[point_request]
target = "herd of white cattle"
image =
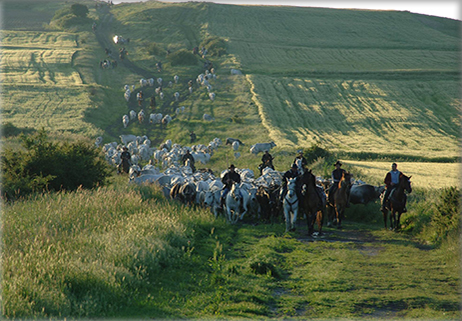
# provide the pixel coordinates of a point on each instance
(164, 168)
(203, 80)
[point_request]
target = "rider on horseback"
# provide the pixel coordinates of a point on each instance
(337, 174)
(391, 181)
(266, 161)
(125, 160)
(230, 177)
(189, 156)
(300, 156)
(291, 173)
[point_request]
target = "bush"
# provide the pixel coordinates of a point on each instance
(446, 221)
(215, 46)
(8, 130)
(154, 49)
(316, 151)
(79, 10)
(182, 57)
(51, 166)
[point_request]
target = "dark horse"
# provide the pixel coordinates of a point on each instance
(311, 203)
(339, 200)
(397, 202)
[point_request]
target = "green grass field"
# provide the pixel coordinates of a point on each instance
(357, 82)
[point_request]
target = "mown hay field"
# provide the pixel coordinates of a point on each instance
(380, 116)
(45, 82)
(424, 175)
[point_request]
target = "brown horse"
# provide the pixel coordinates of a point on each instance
(311, 203)
(397, 202)
(339, 200)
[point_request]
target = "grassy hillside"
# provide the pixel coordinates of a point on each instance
(356, 80)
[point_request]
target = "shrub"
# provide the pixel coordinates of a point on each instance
(445, 222)
(79, 10)
(53, 166)
(8, 130)
(182, 57)
(215, 46)
(154, 49)
(316, 151)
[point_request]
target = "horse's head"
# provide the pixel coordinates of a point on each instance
(235, 191)
(291, 187)
(345, 181)
(308, 178)
(405, 182)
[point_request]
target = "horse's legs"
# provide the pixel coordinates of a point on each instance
(294, 219)
(287, 217)
(319, 219)
(385, 214)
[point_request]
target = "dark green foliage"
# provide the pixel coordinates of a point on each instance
(79, 10)
(446, 220)
(69, 17)
(215, 46)
(51, 166)
(316, 151)
(8, 130)
(154, 49)
(182, 57)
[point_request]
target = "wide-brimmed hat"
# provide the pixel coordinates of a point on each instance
(338, 163)
(232, 166)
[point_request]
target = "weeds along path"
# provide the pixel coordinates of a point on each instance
(103, 35)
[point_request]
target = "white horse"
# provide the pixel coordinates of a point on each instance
(234, 202)
(290, 204)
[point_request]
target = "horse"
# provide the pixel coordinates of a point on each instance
(290, 204)
(234, 202)
(397, 202)
(311, 202)
(339, 200)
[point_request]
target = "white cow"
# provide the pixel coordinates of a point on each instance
(212, 96)
(207, 117)
(132, 114)
(212, 200)
(127, 95)
(176, 95)
(151, 82)
(201, 157)
(261, 147)
(125, 120)
(176, 78)
(143, 82)
(235, 145)
(125, 139)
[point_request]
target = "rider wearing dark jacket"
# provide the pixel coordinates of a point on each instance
(125, 158)
(337, 174)
(291, 173)
(189, 156)
(228, 179)
(300, 156)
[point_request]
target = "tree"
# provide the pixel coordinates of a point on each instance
(80, 10)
